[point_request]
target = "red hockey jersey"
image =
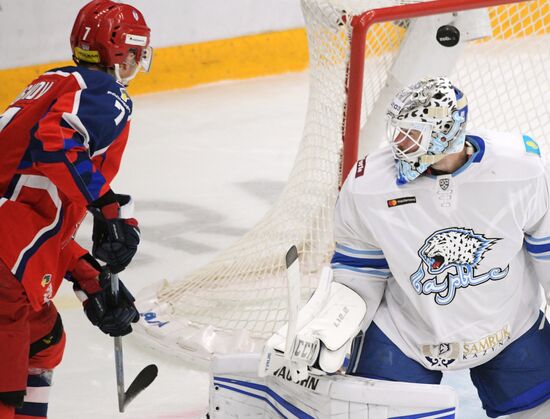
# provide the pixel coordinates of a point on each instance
(61, 142)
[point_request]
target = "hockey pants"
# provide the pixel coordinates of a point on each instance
(32, 344)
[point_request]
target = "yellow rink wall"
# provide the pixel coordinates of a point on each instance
(259, 55)
(194, 64)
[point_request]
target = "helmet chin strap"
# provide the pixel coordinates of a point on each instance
(125, 80)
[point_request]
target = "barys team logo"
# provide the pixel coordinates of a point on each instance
(449, 259)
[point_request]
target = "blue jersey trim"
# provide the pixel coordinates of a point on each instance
(537, 248)
(11, 187)
(359, 262)
(479, 146)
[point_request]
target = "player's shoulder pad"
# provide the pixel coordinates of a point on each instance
(374, 163)
(504, 151)
(372, 174)
(512, 144)
(104, 87)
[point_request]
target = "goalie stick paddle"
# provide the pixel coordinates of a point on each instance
(293, 280)
(298, 370)
(146, 376)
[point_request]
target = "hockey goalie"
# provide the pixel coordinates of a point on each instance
(441, 263)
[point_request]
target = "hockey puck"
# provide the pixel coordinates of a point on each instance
(448, 36)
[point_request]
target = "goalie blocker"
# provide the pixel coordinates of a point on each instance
(324, 331)
(237, 392)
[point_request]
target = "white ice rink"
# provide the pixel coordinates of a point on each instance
(203, 165)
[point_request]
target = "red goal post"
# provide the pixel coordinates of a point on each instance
(361, 24)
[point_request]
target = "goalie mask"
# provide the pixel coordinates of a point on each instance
(425, 122)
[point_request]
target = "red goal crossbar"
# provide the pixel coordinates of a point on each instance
(361, 24)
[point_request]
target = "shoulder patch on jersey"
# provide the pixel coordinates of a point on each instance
(124, 94)
(531, 146)
(360, 170)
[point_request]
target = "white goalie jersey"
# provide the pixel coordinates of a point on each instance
(455, 261)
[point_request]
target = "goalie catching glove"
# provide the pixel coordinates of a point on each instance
(326, 327)
(92, 285)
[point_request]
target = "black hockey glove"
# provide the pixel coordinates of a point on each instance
(113, 316)
(115, 238)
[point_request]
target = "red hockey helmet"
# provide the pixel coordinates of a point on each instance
(105, 32)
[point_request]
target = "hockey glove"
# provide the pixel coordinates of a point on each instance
(92, 284)
(325, 330)
(115, 235)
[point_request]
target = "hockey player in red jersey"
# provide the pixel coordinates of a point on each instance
(61, 144)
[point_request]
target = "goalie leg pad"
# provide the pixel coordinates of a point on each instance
(236, 394)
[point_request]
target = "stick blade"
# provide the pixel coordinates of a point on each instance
(146, 376)
(291, 256)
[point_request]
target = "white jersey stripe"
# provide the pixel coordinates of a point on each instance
(38, 182)
(57, 73)
(358, 252)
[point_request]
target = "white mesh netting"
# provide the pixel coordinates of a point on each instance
(239, 299)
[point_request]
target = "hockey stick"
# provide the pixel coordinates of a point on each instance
(286, 347)
(293, 283)
(142, 380)
(298, 370)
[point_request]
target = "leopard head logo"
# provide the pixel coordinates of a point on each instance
(454, 247)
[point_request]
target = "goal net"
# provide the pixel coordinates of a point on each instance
(360, 53)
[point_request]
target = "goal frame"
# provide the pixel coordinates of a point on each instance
(360, 26)
(237, 300)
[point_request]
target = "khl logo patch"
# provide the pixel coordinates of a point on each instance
(451, 256)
